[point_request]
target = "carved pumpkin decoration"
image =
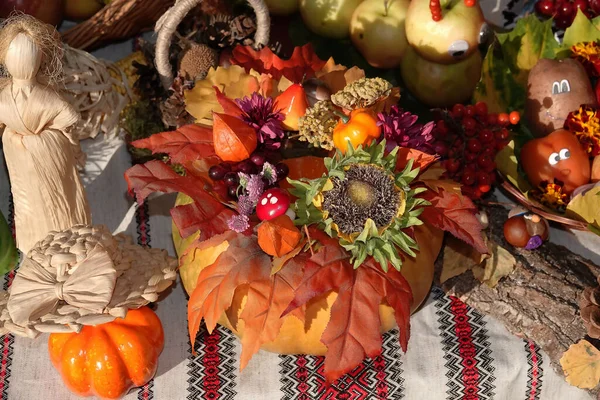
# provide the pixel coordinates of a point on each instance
(556, 156)
(293, 338)
(234, 140)
(554, 89)
(109, 359)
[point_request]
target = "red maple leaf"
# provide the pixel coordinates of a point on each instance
(206, 213)
(183, 145)
(303, 63)
(353, 329)
(243, 264)
(452, 212)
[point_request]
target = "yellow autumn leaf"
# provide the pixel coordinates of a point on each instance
(586, 207)
(337, 76)
(507, 165)
(459, 257)
(500, 263)
(581, 364)
(233, 81)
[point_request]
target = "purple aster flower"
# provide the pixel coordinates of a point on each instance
(269, 172)
(245, 205)
(239, 223)
(259, 112)
(255, 187)
(400, 128)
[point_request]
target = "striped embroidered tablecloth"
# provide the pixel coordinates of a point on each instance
(454, 352)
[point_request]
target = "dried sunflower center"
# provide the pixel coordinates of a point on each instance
(366, 192)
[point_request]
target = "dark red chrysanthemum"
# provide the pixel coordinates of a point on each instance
(259, 112)
(400, 128)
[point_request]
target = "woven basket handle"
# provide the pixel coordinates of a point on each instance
(167, 24)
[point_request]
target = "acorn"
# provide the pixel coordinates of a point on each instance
(316, 90)
(526, 230)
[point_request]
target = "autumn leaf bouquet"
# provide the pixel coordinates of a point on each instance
(310, 210)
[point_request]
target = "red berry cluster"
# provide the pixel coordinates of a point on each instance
(468, 139)
(564, 11)
(436, 8)
(225, 175)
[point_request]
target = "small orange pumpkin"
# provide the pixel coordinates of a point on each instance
(360, 129)
(109, 359)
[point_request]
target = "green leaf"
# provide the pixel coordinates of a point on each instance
(508, 166)
(9, 256)
(503, 84)
(531, 40)
(581, 30)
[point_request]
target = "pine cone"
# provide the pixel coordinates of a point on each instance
(590, 311)
(173, 109)
(196, 61)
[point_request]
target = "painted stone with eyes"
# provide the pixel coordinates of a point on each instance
(554, 89)
(556, 156)
(452, 39)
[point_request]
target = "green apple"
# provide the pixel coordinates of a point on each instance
(377, 30)
(440, 85)
(79, 10)
(282, 7)
(329, 18)
(455, 37)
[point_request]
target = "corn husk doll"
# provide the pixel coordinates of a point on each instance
(40, 151)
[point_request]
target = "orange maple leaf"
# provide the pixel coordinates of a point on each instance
(267, 299)
(302, 64)
(360, 292)
(243, 264)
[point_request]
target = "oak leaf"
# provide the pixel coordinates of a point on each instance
(454, 213)
(302, 64)
(278, 236)
(183, 145)
(360, 292)
(581, 364)
(206, 213)
(498, 264)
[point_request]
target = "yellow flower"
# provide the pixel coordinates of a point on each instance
(551, 195)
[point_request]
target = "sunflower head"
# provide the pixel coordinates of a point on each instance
(365, 203)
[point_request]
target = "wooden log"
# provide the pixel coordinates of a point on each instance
(539, 299)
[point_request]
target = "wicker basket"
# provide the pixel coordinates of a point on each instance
(119, 20)
(539, 209)
(167, 24)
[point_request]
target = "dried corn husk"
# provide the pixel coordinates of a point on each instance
(139, 273)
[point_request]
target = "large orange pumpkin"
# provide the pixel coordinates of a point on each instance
(293, 338)
(109, 359)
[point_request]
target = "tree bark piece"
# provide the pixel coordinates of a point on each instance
(539, 299)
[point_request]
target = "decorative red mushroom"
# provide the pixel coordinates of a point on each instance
(272, 203)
